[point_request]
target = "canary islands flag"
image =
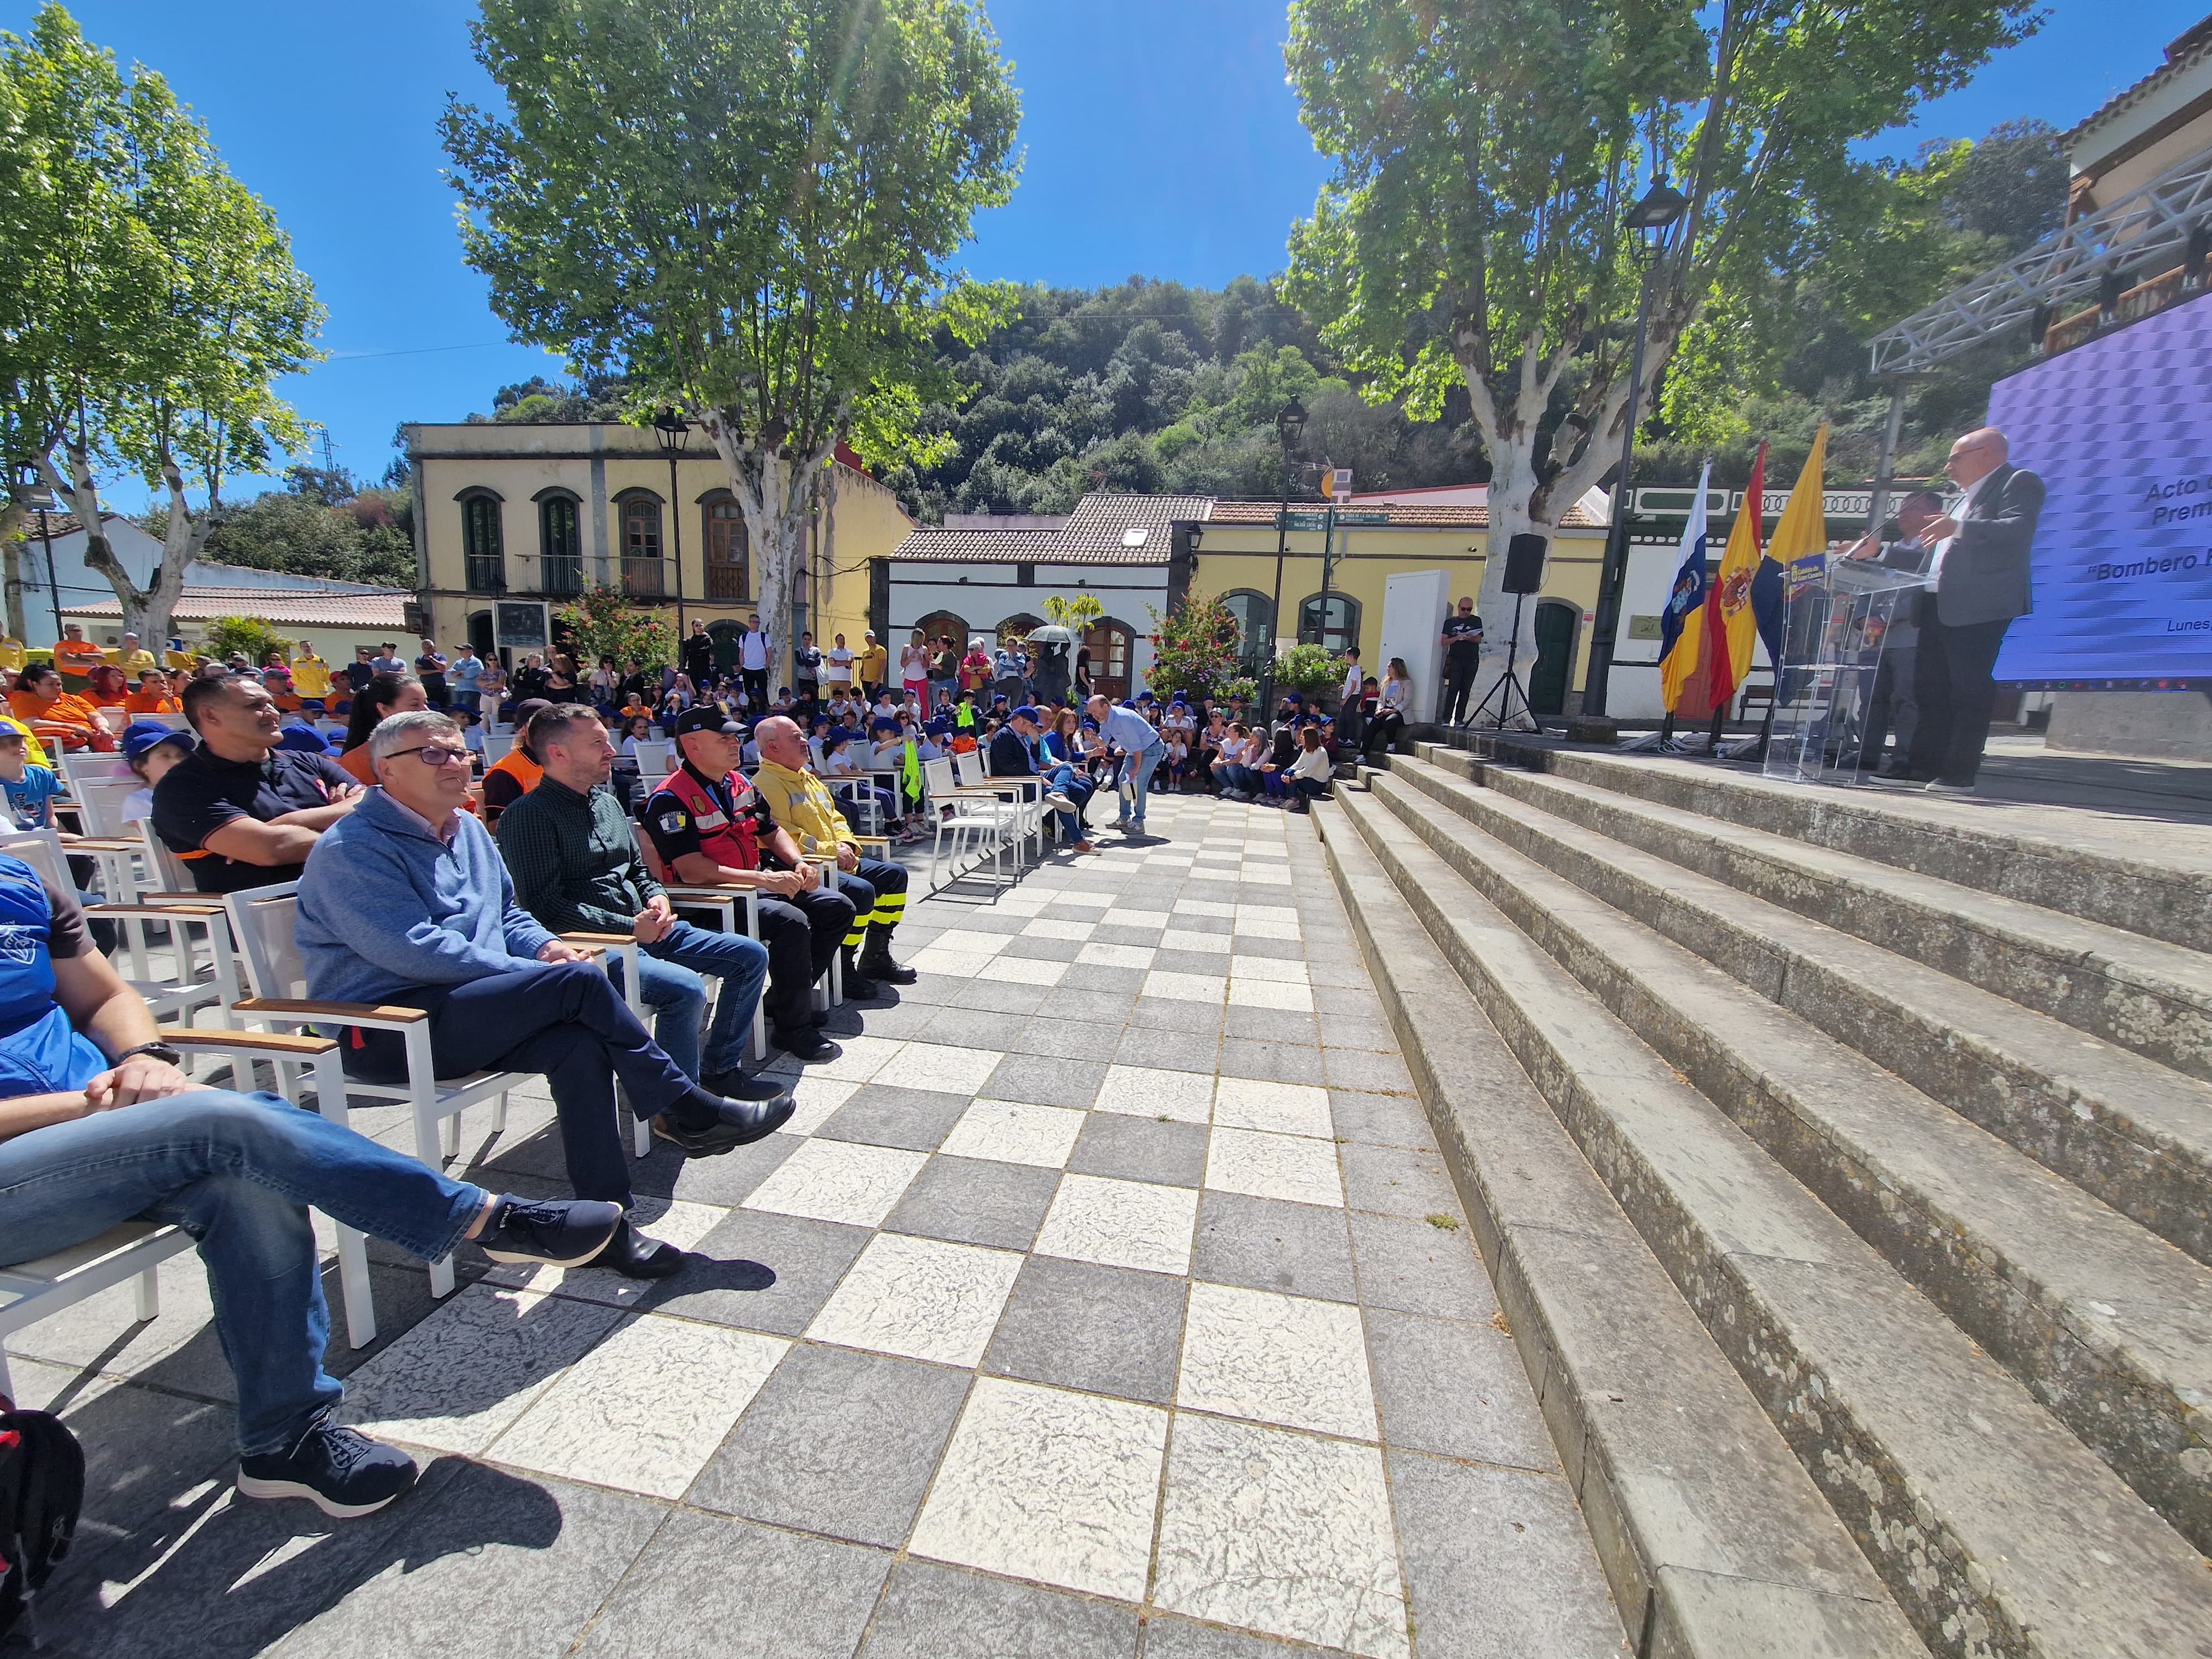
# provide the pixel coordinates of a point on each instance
(1682, 625)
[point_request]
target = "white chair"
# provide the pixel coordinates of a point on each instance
(87, 766)
(978, 822)
(656, 760)
(101, 802)
(1026, 791)
(498, 745)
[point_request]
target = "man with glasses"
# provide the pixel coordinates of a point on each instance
(409, 905)
(1978, 583)
(1462, 644)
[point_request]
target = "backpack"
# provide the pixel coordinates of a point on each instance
(41, 1491)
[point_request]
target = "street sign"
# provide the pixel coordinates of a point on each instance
(1320, 520)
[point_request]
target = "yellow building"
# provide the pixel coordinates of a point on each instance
(1237, 560)
(514, 520)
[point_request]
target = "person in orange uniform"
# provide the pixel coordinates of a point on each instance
(75, 657)
(54, 717)
(104, 687)
(153, 697)
(516, 773)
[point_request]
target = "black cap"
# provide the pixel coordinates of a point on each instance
(708, 718)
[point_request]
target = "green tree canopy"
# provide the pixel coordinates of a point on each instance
(747, 207)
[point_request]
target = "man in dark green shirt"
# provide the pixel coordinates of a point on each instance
(570, 848)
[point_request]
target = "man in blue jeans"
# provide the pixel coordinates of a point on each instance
(572, 853)
(412, 907)
(1137, 738)
(99, 1127)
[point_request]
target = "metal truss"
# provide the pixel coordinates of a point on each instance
(2149, 231)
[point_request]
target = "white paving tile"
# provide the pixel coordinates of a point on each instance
(863, 1058)
(950, 964)
(970, 942)
(1267, 928)
(937, 1066)
(1290, 1109)
(1124, 918)
(647, 1408)
(1058, 927)
(1269, 968)
(1190, 938)
(1146, 1091)
(1186, 987)
(838, 1181)
(818, 1098)
(1085, 901)
(678, 1222)
(1276, 1358)
(1115, 955)
(1270, 994)
(1043, 1484)
(1265, 913)
(1025, 970)
(1290, 1167)
(920, 1297)
(1276, 1531)
(1122, 1223)
(1009, 1132)
(1266, 875)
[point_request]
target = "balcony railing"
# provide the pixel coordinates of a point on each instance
(726, 583)
(643, 579)
(486, 572)
(560, 578)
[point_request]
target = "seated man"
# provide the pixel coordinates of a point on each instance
(1013, 754)
(707, 824)
(406, 903)
(152, 696)
(801, 804)
(240, 810)
(570, 850)
(98, 1126)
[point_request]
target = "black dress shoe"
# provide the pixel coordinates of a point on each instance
(634, 1255)
(883, 969)
(734, 1122)
(806, 1043)
(736, 1085)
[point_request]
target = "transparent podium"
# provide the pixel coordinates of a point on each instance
(1837, 623)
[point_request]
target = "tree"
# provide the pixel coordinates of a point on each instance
(249, 635)
(1473, 235)
(602, 621)
(154, 302)
(748, 208)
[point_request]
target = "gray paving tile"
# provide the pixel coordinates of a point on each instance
(1382, 1120)
(1140, 1149)
(939, 1613)
(1267, 1245)
(901, 1019)
(1358, 1001)
(994, 995)
(739, 1591)
(1106, 932)
(1073, 1038)
(1096, 1007)
(1046, 1080)
(836, 1441)
(1454, 1390)
(1168, 1051)
(1167, 1637)
(763, 1272)
(1090, 976)
(1359, 1068)
(1107, 1330)
(1395, 1181)
(1367, 1033)
(1170, 961)
(1499, 1564)
(1043, 950)
(1416, 1268)
(883, 1115)
(978, 1028)
(1270, 1062)
(975, 1202)
(1272, 1025)
(727, 1179)
(1199, 1020)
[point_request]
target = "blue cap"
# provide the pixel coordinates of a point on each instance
(884, 723)
(1027, 712)
(306, 739)
(140, 736)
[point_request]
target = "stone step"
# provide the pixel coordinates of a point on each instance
(2150, 878)
(1717, 1541)
(2136, 1135)
(2110, 1327)
(2140, 994)
(1997, 1531)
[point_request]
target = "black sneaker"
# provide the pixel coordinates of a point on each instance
(567, 1232)
(885, 971)
(341, 1471)
(808, 1044)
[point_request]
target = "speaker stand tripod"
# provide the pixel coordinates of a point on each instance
(1507, 688)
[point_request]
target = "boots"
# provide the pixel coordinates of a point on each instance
(876, 963)
(859, 987)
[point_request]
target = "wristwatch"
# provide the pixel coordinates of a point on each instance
(158, 1049)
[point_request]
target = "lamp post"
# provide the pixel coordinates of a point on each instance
(1653, 217)
(1290, 427)
(673, 431)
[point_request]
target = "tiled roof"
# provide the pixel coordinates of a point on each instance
(2184, 50)
(385, 608)
(1409, 514)
(1097, 533)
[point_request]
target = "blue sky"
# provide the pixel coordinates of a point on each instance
(1160, 138)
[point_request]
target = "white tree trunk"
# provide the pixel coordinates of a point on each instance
(14, 518)
(779, 496)
(146, 610)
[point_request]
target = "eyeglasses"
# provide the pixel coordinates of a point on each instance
(432, 755)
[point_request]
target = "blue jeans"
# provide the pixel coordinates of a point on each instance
(237, 1172)
(672, 971)
(1139, 773)
(1076, 788)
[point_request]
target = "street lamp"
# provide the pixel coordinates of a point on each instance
(1290, 428)
(1653, 218)
(32, 493)
(673, 431)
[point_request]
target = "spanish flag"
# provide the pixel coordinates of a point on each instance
(1682, 625)
(1729, 622)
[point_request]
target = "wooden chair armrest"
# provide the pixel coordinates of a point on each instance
(104, 844)
(379, 1015)
(266, 1042)
(702, 893)
(597, 941)
(178, 911)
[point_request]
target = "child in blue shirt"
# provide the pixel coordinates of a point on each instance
(30, 789)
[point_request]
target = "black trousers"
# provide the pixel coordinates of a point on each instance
(1383, 730)
(1893, 707)
(878, 890)
(564, 1018)
(802, 935)
(1952, 685)
(756, 685)
(1459, 684)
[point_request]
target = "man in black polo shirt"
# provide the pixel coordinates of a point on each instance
(240, 812)
(1462, 640)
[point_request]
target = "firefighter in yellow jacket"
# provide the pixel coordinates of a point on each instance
(801, 803)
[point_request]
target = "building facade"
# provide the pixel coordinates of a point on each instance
(513, 520)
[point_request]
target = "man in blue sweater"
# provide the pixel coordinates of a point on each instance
(412, 906)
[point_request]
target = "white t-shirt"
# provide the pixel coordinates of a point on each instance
(1397, 694)
(913, 665)
(753, 652)
(838, 664)
(1352, 679)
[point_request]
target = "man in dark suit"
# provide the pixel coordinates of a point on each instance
(1980, 583)
(1891, 707)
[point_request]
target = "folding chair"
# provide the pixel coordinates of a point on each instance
(656, 760)
(101, 802)
(963, 817)
(1025, 791)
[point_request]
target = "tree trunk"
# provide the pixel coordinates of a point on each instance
(14, 518)
(146, 612)
(777, 494)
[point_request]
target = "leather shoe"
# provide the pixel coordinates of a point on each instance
(808, 1044)
(634, 1255)
(885, 971)
(736, 1085)
(735, 1123)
